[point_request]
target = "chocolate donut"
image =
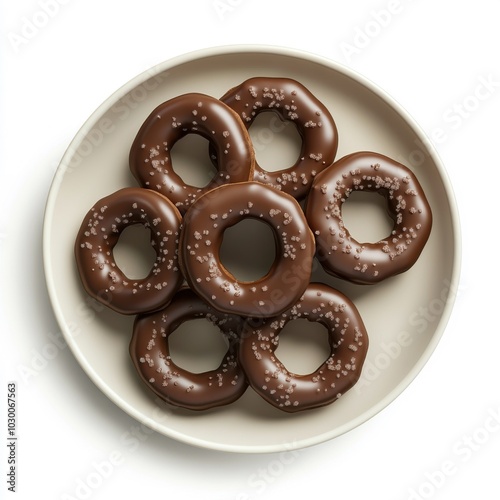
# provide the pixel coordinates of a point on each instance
(150, 158)
(150, 354)
(201, 238)
(288, 391)
(293, 103)
(366, 263)
(99, 233)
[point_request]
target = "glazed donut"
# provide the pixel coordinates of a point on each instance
(293, 103)
(99, 233)
(366, 263)
(150, 354)
(150, 158)
(202, 235)
(348, 342)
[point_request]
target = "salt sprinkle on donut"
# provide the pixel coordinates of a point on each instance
(366, 263)
(293, 103)
(100, 232)
(290, 392)
(150, 353)
(201, 238)
(150, 155)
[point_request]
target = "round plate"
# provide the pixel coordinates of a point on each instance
(405, 316)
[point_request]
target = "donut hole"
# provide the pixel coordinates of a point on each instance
(133, 253)
(197, 346)
(276, 142)
(191, 161)
(366, 217)
(303, 346)
(248, 249)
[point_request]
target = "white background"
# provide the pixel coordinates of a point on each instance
(441, 438)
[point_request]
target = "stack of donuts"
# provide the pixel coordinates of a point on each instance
(187, 225)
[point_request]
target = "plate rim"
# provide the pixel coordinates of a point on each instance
(276, 50)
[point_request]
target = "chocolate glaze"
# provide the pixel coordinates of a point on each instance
(288, 391)
(150, 354)
(98, 235)
(150, 159)
(292, 102)
(201, 238)
(366, 263)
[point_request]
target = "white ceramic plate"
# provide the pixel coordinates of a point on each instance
(405, 316)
